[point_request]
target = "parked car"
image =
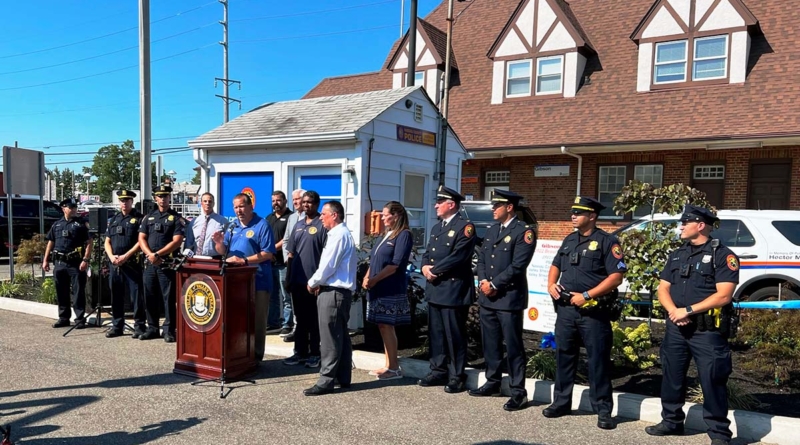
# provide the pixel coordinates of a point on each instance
(767, 243)
(26, 218)
(480, 214)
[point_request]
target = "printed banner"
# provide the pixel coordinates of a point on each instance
(540, 315)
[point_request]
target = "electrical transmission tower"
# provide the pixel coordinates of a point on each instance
(226, 82)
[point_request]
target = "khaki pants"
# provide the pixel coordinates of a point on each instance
(262, 311)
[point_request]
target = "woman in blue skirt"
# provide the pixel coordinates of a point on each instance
(386, 282)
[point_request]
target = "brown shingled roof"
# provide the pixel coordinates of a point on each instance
(609, 110)
(356, 83)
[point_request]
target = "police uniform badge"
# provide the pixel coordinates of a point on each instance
(732, 263)
(529, 236)
(171, 218)
(451, 233)
(133, 221)
(312, 230)
(249, 234)
(577, 200)
(507, 238)
(593, 245)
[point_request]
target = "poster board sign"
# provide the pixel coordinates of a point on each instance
(540, 315)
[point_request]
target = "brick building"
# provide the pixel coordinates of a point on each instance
(556, 97)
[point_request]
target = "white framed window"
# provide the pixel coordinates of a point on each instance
(414, 202)
(710, 58)
(498, 177)
(670, 62)
(709, 172)
(611, 181)
(419, 78)
(548, 74)
(651, 174)
(518, 78)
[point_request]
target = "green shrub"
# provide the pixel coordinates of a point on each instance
(775, 363)
(542, 365)
(630, 345)
(48, 292)
(738, 397)
(24, 278)
(759, 327)
(9, 289)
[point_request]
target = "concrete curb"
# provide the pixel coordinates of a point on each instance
(744, 424)
(29, 307)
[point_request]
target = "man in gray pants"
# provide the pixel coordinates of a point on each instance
(334, 283)
(288, 311)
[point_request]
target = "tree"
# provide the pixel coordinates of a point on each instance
(114, 163)
(646, 251)
(68, 178)
(196, 179)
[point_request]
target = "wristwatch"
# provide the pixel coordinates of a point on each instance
(246, 263)
(84, 260)
(689, 309)
(586, 295)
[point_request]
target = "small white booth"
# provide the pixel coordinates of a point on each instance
(361, 149)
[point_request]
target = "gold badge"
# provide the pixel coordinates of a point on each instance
(312, 230)
(507, 239)
(577, 200)
(451, 233)
(133, 220)
(171, 218)
(250, 234)
(593, 245)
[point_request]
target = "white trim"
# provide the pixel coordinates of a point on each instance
(561, 75)
(685, 61)
(724, 57)
(286, 139)
(288, 172)
(508, 77)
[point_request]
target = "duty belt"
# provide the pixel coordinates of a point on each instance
(66, 257)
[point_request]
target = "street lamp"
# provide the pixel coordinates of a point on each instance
(87, 175)
(61, 184)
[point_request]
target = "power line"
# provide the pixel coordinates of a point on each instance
(321, 11)
(104, 72)
(108, 53)
(313, 35)
(66, 45)
(113, 142)
(72, 25)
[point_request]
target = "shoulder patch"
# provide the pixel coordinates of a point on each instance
(732, 262)
(469, 230)
(529, 236)
(616, 250)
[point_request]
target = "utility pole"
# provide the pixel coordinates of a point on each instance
(412, 45)
(226, 83)
(402, 16)
(144, 99)
(447, 60)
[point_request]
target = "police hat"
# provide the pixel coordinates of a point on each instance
(125, 194)
(505, 197)
(448, 193)
(162, 190)
(693, 213)
(69, 202)
(586, 204)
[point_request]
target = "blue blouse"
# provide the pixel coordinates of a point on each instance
(392, 252)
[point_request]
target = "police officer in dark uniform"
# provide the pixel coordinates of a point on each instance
(160, 234)
(70, 244)
(125, 278)
(450, 290)
(696, 290)
(503, 297)
(590, 267)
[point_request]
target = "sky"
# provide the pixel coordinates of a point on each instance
(69, 76)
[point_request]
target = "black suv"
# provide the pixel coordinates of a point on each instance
(480, 214)
(26, 219)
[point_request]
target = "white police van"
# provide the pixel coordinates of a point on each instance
(767, 243)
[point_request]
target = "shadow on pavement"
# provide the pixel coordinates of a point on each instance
(148, 433)
(53, 407)
(148, 380)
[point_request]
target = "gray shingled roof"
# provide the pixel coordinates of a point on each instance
(330, 114)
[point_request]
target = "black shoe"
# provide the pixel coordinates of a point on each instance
(149, 335)
(486, 390)
(61, 324)
(169, 338)
(662, 429)
(516, 403)
(455, 386)
(317, 391)
(605, 422)
(289, 338)
(284, 332)
(113, 333)
(720, 442)
(552, 412)
(342, 385)
(431, 380)
(80, 324)
(137, 333)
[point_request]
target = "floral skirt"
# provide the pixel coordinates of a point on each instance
(390, 309)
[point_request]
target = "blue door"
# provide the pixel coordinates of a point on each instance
(258, 185)
(329, 187)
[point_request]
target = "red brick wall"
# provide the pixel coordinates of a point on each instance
(551, 198)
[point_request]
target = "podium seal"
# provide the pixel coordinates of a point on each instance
(201, 302)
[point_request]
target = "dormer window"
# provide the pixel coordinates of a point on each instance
(690, 42)
(518, 78)
(548, 75)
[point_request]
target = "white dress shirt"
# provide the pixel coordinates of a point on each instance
(338, 262)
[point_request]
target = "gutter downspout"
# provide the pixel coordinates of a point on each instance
(200, 158)
(565, 151)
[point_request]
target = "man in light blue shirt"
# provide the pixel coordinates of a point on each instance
(333, 283)
(199, 235)
(251, 243)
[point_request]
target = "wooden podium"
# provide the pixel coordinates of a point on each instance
(216, 320)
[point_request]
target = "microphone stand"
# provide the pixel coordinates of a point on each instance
(224, 264)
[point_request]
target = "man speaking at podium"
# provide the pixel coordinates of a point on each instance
(251, 243)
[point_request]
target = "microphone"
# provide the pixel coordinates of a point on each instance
(187, 253)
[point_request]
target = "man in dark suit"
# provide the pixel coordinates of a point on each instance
(502, 268)
(450, 291)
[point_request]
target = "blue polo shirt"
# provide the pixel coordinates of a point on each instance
(249, 240)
